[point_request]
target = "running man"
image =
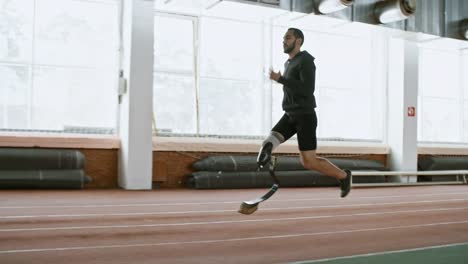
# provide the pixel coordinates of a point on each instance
(299, 105)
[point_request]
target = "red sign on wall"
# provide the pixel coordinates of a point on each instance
(411, 111)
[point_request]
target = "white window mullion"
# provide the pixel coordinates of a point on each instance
(196, 50)
(461, 97)
(31, 70)
(270, 83)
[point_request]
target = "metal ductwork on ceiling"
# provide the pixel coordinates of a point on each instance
(331, 6)
(394, 10)
(444, 18)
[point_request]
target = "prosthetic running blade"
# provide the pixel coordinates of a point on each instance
(249, 207)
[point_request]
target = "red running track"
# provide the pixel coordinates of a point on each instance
(193, 226)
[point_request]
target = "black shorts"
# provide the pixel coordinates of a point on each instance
(305, 125)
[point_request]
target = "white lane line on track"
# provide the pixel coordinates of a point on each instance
(226, 211)
(226, 202)
(229, 239)
(228, 221)
(379, 253)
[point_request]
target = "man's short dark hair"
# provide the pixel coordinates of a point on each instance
(297, 33)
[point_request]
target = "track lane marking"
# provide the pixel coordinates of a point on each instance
(225, 211)
(13, 251)
(226, 221)
(225, 202)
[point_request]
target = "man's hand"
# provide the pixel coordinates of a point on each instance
(275, 75)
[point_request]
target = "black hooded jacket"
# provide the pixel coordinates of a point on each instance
(299, 84)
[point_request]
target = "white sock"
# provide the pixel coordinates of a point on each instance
(275, 141)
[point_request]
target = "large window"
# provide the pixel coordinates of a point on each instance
(231, 98)
(443, 96)
(210, 72)
(211, 88)
(58, 65)
(174, 80)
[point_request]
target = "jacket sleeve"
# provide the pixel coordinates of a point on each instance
(306, 83)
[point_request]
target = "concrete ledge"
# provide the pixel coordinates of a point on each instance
(442, 149)
(193, 144)
(252, 146)
(41, 140)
